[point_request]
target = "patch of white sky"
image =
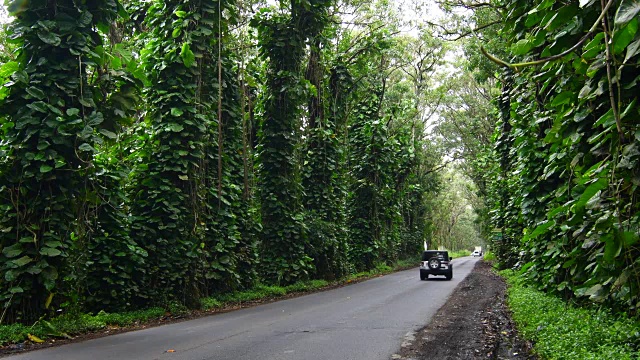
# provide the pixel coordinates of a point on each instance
(4, 15)
(415, 15)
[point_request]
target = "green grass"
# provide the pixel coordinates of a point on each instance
(461, 253)
(260, 292)
(73, 324)
(490, 257)
(408, 263)
(562, 331)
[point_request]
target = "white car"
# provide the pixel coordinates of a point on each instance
(476, 253)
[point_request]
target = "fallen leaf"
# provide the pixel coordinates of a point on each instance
(35, 339)
(171, 351)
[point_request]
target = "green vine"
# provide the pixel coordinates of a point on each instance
(50, 122)
(570, 134)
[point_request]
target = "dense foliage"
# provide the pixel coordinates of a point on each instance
(580, 117)
(52, 121)
(562, 180)
(157, 153)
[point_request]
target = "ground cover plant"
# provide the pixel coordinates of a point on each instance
(561, 330)
(69, 325)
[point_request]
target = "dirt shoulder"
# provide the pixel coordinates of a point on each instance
(475, 323)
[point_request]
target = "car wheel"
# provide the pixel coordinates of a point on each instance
(434, 263)
(450, 274)
(424, 277)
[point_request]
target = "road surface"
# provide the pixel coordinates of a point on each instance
(363, 321)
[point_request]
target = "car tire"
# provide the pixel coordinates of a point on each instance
(434, 263)
(424, 277)
(450, 274)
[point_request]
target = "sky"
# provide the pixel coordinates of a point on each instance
(4, 18)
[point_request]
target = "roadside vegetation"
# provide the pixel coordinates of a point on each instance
(489, 256)
(69, 325)
(461, 253)
(562, 330)
(558, 177)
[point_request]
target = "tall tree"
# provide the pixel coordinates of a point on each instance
(177, 211)
(50, 119)
(283, 42)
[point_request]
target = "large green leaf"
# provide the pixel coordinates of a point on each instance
(612, 247)
(109, 134)
(38, 106)
(591, 191)
(12, 251)
(73, 111)
(48, 251)
(49, 37)
(632, 50)
(16, 290)
(35, 92)
(539, 230)
(8, 68)
(521, 47)
(594, 47)
(175, 127)
(594, 292)
(564, 97)
(627, 11)
(12, 274)
(86, 147)
(188, 58)
(22, 261)
(629, 238)
(622, 37)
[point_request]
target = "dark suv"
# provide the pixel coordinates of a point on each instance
(436, 262)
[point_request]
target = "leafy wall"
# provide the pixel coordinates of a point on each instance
(157, 153)
(569, 144)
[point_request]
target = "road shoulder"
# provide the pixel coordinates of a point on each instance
(475, 323)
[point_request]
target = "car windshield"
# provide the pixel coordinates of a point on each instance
(429, 254)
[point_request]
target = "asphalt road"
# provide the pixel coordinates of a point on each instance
(363, 321)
